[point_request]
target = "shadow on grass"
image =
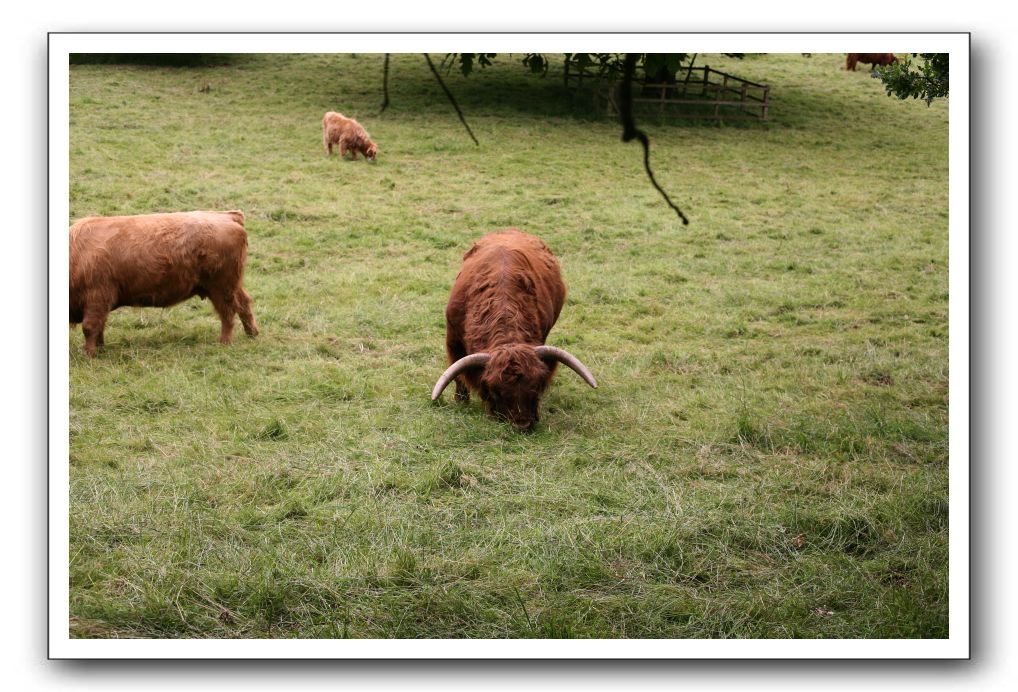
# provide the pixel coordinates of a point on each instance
(153, 59)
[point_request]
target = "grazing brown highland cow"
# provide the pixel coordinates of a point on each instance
(871, 59)
(348, 134)
(504, 302)
(158, 260)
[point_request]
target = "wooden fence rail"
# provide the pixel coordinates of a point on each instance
(697, 92)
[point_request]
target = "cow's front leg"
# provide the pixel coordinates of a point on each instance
(92, 326)
(462, 391)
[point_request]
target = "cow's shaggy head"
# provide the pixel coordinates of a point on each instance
(510, 379)
(512, 383)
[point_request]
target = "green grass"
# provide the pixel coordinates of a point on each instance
(766, 455)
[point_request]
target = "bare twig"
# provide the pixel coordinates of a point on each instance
(631, 132)
(451, 99)
(385, 85)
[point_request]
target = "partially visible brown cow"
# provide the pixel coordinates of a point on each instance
(504, 302)
(871, 59)
(158, 260)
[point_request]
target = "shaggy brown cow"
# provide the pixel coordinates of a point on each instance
(158, 260)
(871, 59)
(348, 134)
(504, 302)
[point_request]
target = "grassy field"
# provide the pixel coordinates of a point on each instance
(766, 455)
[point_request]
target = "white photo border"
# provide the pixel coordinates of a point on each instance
(956, 646)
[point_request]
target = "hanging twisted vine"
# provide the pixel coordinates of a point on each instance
(629, 129)
(631, 132)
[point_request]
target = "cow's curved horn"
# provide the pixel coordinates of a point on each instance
(569, 359)
(473, 360)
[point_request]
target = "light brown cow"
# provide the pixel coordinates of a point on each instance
(349, 134)
(158, 260)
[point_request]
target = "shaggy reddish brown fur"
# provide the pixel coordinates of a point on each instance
(505, 300)
(158, 260)
(871, 59)
(348, 134)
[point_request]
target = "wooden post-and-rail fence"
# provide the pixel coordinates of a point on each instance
(702, 93)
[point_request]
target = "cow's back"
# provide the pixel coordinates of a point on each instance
(156, 259)
(334, 122)
(509, 289)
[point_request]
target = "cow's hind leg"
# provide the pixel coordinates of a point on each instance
(224, 305)
(243, 307)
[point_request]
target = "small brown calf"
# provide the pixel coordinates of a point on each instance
(348, 134)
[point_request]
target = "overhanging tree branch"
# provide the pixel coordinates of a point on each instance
(451, 99)
(928, 79)
(608, 62)
(631, 132)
